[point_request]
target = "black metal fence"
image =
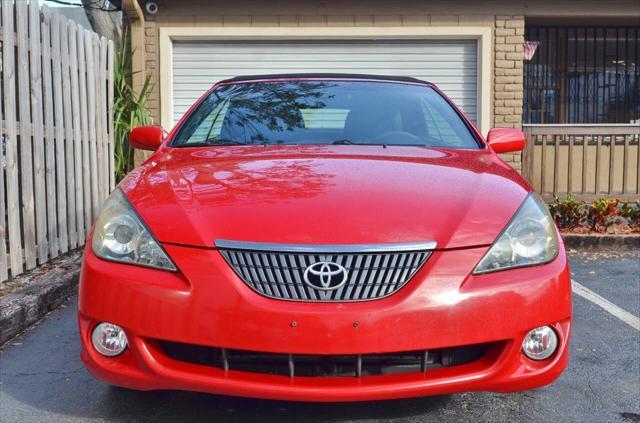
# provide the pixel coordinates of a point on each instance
(582, 74)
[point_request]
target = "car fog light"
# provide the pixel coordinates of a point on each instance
(109, 339)
(540, 343)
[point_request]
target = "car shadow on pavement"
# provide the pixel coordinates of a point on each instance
(123, 404)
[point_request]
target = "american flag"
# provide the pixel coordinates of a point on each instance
(530, 49)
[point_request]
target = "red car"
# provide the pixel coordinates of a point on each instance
(325, 237)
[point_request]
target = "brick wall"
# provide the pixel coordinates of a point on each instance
(152, 66)
(152, 69)
(508, 78)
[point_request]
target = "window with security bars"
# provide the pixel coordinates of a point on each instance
(582, 74)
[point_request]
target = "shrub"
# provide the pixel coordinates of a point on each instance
(631, 212)
(603, 215)
(129, 108)
(601, 211)
(568, 213)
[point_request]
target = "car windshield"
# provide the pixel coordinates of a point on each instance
(325, 112)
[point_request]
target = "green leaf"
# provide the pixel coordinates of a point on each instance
(129, 108)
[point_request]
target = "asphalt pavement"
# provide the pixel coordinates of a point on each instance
(43, 380)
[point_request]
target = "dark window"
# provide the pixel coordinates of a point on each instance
(583, 74)
(325, 112)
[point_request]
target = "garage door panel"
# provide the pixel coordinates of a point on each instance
(302, 56)
(339, 58)
(195, 74)
(328, 47)
(452, 65)
(353, 64)
(337, 47)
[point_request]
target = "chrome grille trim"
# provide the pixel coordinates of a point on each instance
(373, 272)
(325, 248)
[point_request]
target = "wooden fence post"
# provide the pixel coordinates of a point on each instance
(527, 155)
(56, 23)
(77, 136)
(4, 268)
(49, 132)
(38, 135)
(26, 161)
(10, 138)
(68, 134)
(91, 114)
(110, 82)
(103, 120)
(86, 177)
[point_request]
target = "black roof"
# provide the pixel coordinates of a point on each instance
(325, 76)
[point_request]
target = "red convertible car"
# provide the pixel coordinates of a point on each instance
(325, 237)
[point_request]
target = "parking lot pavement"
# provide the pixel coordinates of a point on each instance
(43, 380)
(613, 275)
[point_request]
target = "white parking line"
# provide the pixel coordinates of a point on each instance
(630, 319)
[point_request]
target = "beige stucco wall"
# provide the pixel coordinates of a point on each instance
(504, 18)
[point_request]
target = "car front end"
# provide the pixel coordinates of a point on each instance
(324, 272)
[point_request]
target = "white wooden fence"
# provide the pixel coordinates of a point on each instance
(56, 163)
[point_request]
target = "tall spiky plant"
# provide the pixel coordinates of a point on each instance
(129, 107)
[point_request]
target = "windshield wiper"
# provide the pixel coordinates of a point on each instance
(343, 142)
(222, 141)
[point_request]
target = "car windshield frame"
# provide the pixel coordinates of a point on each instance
(179, 130)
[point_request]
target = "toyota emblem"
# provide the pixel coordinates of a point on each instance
(325, 276)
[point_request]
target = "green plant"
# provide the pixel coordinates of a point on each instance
(129, 108)
(568, 213)
(631, 211)
(600, 212)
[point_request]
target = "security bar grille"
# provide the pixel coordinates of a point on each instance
(582, 74)
(289, 275)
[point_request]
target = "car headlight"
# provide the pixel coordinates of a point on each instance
(120, 235)
(530, 238)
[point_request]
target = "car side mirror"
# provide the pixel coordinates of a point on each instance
(506, 140)
(146, 137)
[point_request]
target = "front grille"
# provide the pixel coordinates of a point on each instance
(294, 365)
(283, 272)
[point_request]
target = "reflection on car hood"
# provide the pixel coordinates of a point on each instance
(325, 195)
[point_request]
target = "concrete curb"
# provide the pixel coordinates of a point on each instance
(41, 294)
(591, 241)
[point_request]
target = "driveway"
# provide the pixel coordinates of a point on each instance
(43, 380)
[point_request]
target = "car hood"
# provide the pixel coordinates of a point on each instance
(325, 195)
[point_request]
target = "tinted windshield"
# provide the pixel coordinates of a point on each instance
(325, 112)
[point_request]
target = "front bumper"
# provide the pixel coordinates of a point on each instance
(206, 304)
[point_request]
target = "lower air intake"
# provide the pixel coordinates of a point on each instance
(294, 365)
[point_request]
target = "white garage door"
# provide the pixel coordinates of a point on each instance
(452, 65)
